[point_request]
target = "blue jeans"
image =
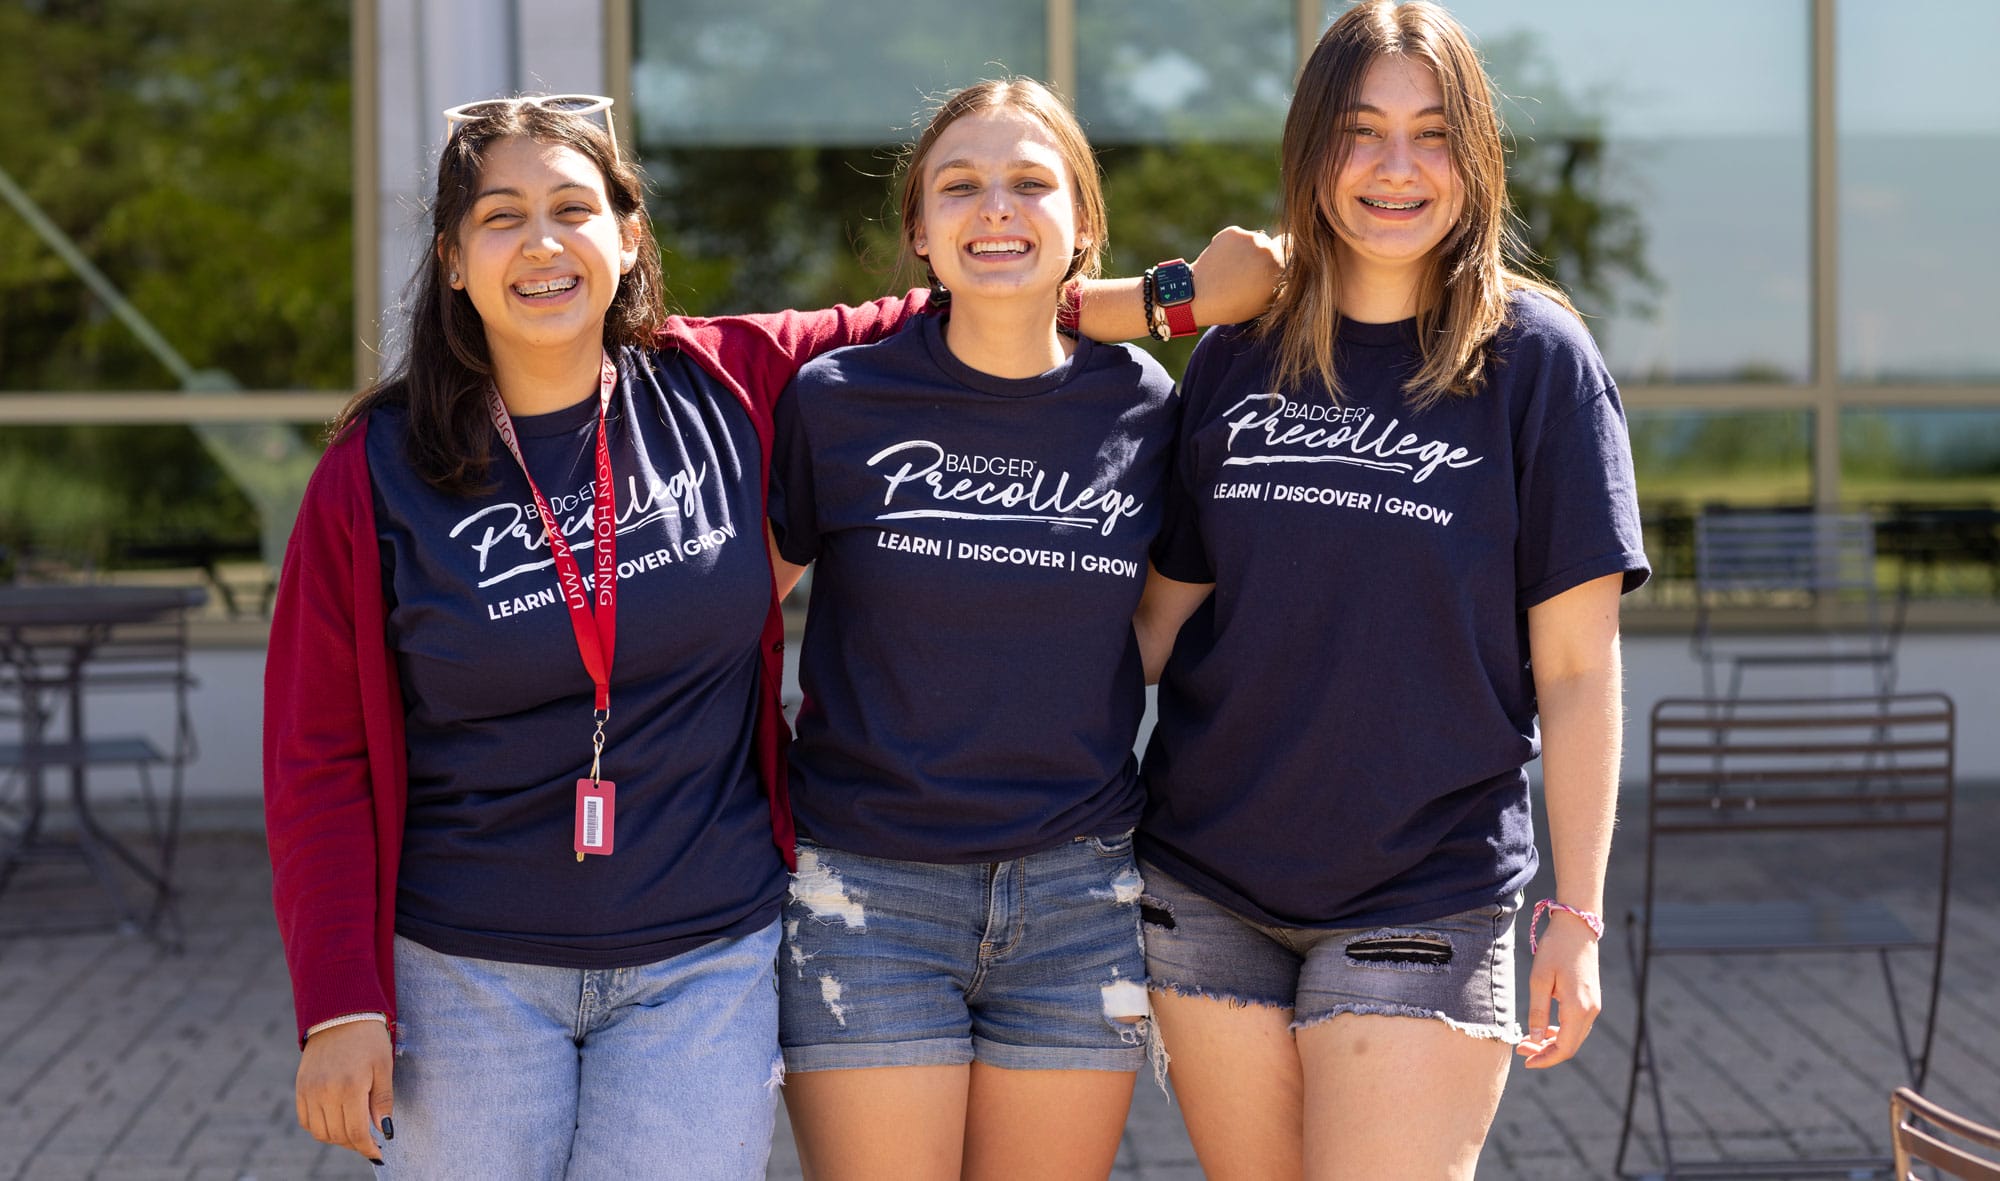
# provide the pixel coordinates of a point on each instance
(1029, 964)
(524, 1071)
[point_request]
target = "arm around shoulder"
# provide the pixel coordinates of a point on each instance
(762, 353)
(1235, 277)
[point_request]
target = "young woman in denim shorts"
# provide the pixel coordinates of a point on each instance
(962, 986)
(542, 856)
(1403, 518)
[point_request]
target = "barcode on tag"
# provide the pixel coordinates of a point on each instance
(593, 821)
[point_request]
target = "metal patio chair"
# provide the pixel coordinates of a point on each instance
(1806, 579)
(1947, 1142)
(1825, 769)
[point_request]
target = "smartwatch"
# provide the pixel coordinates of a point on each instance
(1173, 296)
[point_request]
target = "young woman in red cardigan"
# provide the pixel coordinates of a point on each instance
(540, 854)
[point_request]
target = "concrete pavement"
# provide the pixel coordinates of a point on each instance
(118, 1061)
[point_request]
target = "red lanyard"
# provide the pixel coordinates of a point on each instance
(596, 637)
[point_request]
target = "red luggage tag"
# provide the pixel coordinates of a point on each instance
(596, 813)
(596, 802)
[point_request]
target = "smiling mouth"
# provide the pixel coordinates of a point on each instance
(1394, 206)
(998, 248)
(545, 288)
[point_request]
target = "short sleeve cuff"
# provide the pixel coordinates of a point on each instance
(1631, 563)
(1181, 559)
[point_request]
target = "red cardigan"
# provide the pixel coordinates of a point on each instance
(335, 774)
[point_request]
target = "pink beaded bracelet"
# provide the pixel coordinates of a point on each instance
(1594, 922)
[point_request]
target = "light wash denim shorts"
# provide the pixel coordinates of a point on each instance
(1026, 964)
(1458, 969)
(668, 1069)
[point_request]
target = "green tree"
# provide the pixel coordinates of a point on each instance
(198, 152)
(1574, 228)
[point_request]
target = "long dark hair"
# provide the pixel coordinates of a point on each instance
(1462, 301)
(444, 369)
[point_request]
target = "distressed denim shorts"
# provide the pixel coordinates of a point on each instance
(1458, 969)
(1026, 964)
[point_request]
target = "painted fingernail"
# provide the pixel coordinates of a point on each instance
(388, 1128)
(376, 1161)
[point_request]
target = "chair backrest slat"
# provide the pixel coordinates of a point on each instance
(1764, 764)
(1840, 744)
(1764, 552)
(1778, 775)
(1911, 1118)
(1781, 721)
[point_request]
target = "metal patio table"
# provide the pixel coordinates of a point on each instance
(57, 644)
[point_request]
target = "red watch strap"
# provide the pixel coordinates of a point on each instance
(1179, 316)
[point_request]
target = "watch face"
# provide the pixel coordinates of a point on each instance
(1173, 285)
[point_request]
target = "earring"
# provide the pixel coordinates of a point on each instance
(454, 278)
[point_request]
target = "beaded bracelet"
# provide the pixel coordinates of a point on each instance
(1146, 300)
(1593, 921)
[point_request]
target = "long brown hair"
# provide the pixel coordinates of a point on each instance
(1462, 297)
(1046, 107)
(445, 367)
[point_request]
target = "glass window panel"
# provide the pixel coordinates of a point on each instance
(1742, 458)
(849, 72)
(199, 156)
(1919, 160)
(1933, 479)
(1929, 456)
(1176, 70)
(1185, 102)
(86, 500)
(760, 228)
(1688, 460)
(1662, 162)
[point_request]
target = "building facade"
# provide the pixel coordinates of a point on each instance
(1777, 216)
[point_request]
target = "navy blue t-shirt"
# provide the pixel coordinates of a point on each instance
(1343, 725)
(499, 705)
(972, 682)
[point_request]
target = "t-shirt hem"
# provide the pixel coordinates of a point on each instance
(1632, 563)
(450, 941)
(1232, 900)
(1116, 824)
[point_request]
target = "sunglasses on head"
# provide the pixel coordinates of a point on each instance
(567, 104)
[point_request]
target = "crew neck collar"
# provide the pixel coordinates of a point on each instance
(987, 383)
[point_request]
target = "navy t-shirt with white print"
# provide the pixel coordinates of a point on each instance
(499, 718)
(972, 682)
(1343, 725)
